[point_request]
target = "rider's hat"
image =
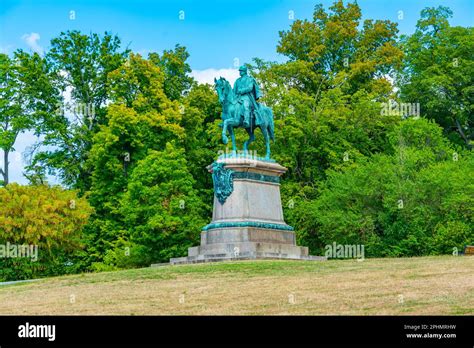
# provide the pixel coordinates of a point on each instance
(243, 68)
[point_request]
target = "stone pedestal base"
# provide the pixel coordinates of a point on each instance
(247, 220)
(245, 251)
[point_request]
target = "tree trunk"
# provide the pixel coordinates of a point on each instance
(5, 167)
(460, 131)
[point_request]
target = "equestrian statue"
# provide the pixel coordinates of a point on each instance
(241, 109)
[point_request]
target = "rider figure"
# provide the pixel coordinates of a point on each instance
(247, 91)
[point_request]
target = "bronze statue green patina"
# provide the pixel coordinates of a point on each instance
(223, 181)
(241, 109)
(247, 216)
(247, 91)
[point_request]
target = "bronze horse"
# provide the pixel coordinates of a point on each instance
(232, 117)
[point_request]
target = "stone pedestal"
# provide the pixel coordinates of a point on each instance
(247, 221)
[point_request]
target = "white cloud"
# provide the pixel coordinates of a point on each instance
(32, 42)
(208, 75)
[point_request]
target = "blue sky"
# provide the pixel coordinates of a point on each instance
(217, 34)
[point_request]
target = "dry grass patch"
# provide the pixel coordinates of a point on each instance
(424, 285)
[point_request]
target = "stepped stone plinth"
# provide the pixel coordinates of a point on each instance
(247, 221)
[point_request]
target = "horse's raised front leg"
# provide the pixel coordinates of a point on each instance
(225, 140)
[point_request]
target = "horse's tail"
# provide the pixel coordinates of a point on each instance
(271, 125)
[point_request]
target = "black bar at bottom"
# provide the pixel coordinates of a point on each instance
(223, 331)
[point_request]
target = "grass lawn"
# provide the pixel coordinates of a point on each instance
(404, 286)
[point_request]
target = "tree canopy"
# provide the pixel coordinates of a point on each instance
(129, 137)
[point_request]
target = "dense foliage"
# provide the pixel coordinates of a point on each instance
(130, 137)
(415, 200)
(49, 218)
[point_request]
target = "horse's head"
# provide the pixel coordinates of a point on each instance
(223, 89)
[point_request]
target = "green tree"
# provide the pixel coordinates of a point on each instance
(12, 119)
(176, 69)
(140, 118)
(26, 93)
(200, 118)
(162, 207)
(336, 49)
(327, 98)
(50, 218)
(404, 203)
(439, 73)
(82, 64)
